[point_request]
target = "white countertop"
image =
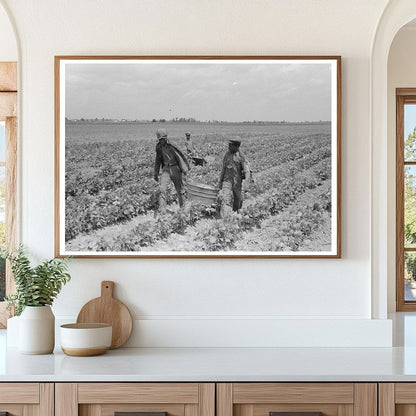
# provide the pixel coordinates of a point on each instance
(221, 364)
(215, 364)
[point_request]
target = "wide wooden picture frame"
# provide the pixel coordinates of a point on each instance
(198, 156)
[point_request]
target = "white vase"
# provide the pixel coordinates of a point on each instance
(37, 330)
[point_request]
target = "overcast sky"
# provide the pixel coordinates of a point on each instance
(228, 92)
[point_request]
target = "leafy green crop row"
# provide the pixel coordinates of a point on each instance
(111, 183)
(219, 234)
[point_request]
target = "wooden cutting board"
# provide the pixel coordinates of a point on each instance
(108, 310)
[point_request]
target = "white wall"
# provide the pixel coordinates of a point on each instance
(401, 74)
(8, 47)
(246, 302)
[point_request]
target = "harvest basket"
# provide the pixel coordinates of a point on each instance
(202, 193)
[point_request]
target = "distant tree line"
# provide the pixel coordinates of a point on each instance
(182, 120)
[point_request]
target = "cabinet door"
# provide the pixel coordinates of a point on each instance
(397, 399)
(142, 399)
(297, 399)
(26, 399)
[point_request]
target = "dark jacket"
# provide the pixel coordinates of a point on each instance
(174, 156)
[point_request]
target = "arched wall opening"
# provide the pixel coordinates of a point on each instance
(401, 74)
(396, 15)
(8, 149)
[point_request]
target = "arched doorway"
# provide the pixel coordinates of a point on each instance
(8, 150)
(395, 16)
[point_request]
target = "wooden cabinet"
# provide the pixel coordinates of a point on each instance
(264, 399)
(27, 399)
(208, 399)
(107, 399)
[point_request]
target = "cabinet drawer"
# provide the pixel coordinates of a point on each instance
(19, 393)
(296, 399)
(148, 399)
(138, 393)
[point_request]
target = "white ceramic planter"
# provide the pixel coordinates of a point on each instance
(37, 330)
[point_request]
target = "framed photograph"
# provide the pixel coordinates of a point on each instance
(198, 156)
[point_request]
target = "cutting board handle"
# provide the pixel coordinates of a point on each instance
(107, 289)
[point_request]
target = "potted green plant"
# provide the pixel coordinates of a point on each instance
(36, 289)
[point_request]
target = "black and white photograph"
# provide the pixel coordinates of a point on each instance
(198, 156)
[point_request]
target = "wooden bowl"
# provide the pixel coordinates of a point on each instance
(84, 340)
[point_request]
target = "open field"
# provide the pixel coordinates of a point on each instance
(111, 197)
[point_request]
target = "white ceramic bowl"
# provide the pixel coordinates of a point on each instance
(83, 340)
